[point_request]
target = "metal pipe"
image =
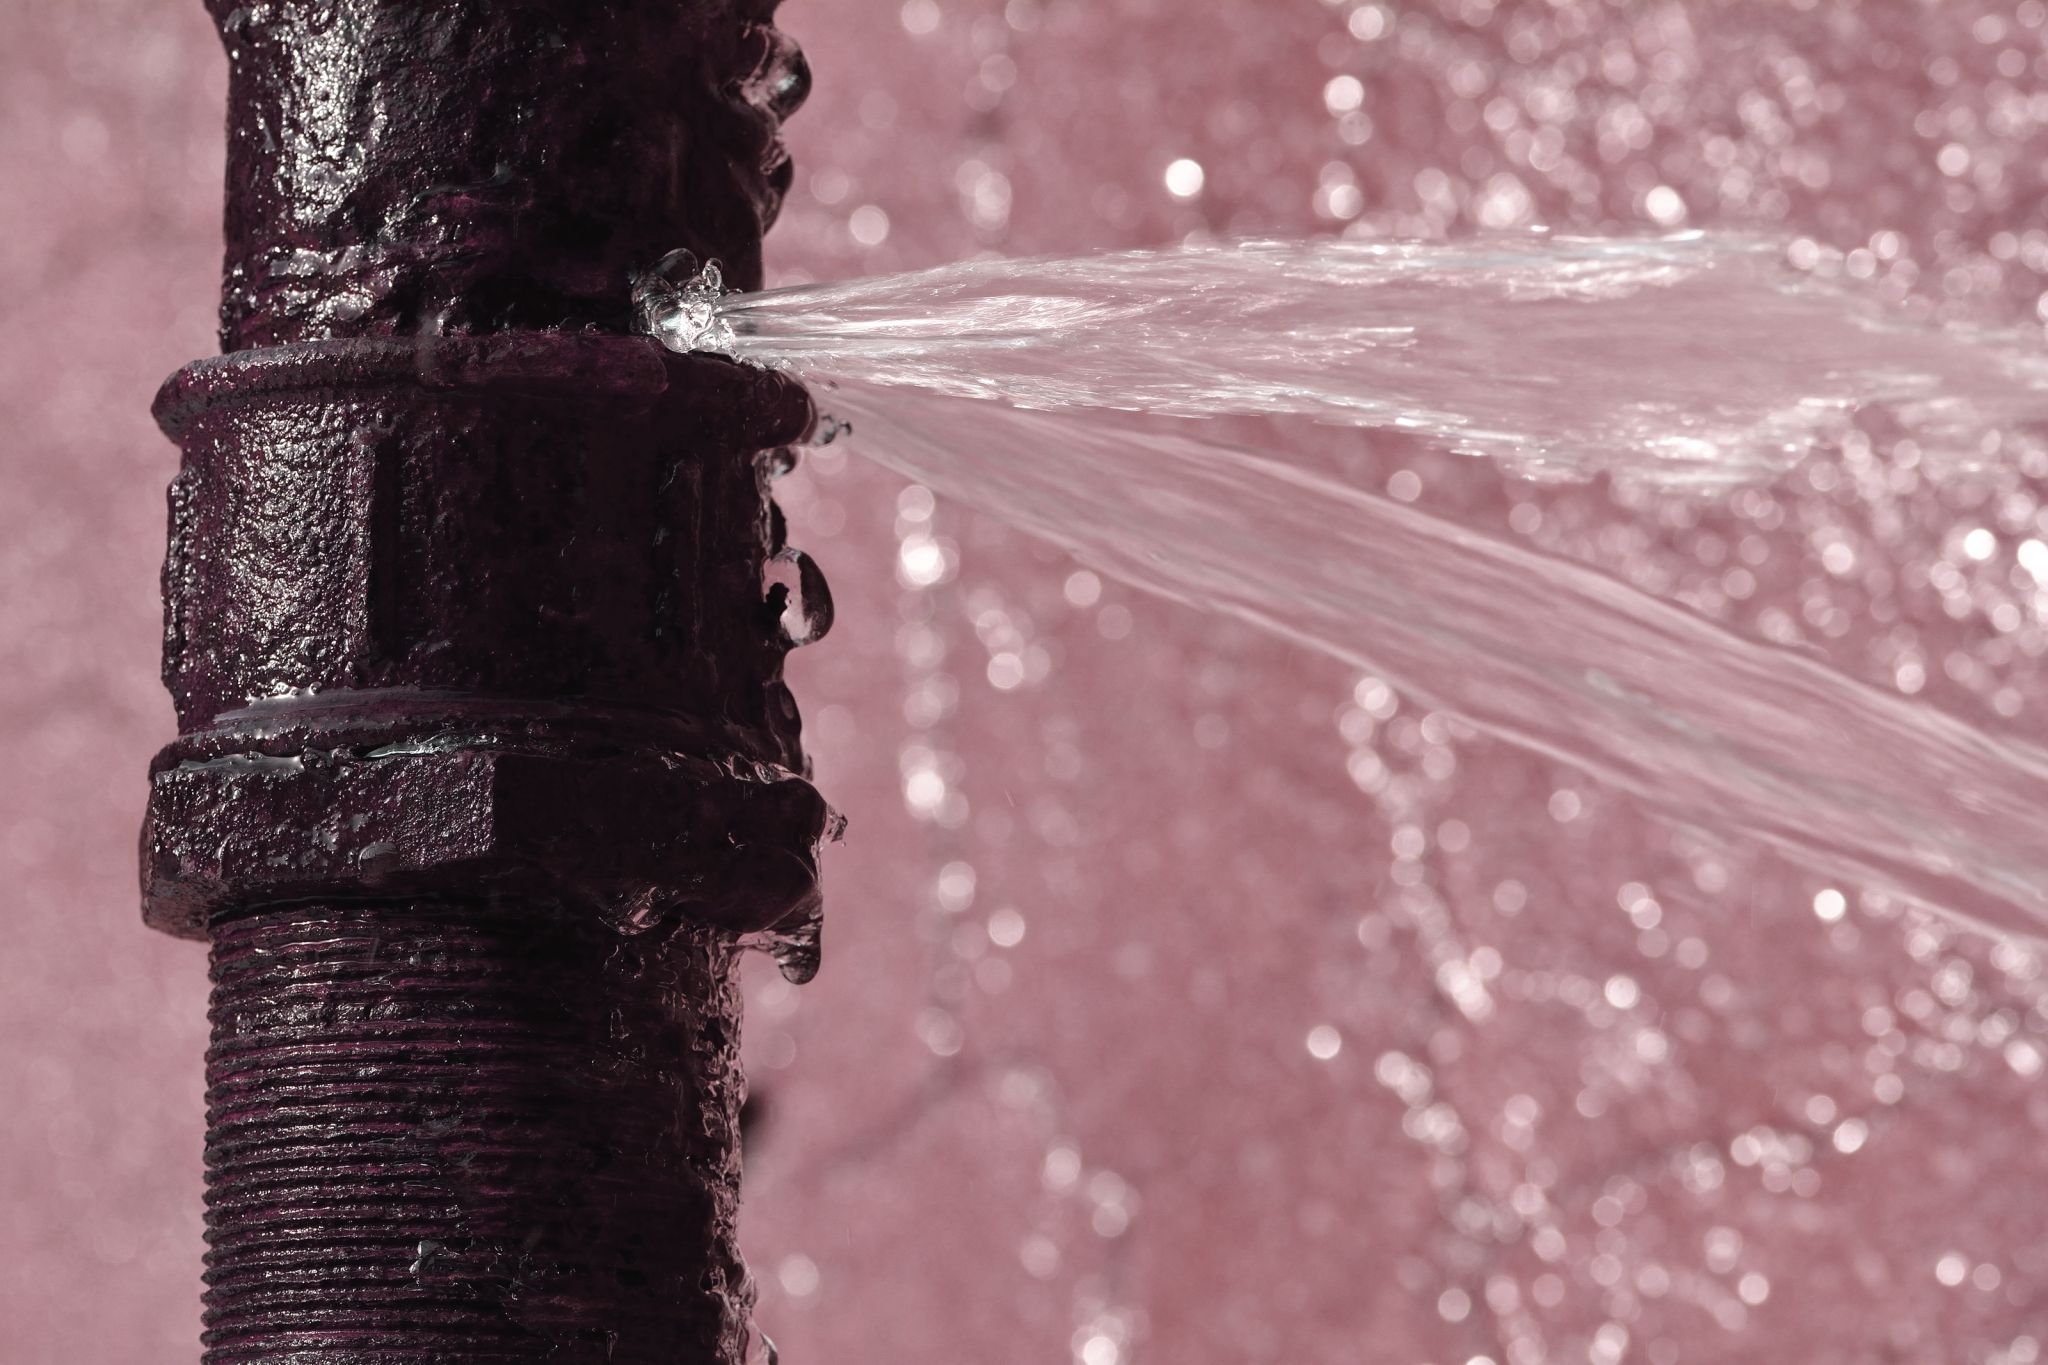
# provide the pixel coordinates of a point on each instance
(486, 767)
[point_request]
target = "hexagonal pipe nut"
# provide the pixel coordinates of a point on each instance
(636, 836)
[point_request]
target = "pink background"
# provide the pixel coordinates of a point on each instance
(1600, 1092)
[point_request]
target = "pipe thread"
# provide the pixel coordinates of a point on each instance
(470, 1130)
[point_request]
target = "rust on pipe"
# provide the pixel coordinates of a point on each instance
(486, 768)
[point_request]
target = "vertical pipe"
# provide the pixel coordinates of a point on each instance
(463, 1131)
(485, 765)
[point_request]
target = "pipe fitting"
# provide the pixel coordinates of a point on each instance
(483, 613)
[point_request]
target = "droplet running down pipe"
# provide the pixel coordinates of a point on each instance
(486, 767)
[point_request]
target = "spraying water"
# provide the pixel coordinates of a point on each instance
(1694, 361)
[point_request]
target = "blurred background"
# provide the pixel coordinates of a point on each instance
(1186, 998)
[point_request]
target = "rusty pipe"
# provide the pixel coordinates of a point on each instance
(486, 768)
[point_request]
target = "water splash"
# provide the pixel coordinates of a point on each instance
(1695, 359)
(676, 302)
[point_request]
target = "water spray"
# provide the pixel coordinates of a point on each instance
(1070, 396)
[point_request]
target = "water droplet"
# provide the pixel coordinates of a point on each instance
(1184, 178)
(761, 1348)
(1324, 1042)
(635, 913)
(781, 82)
(797, 947)
(798, 598)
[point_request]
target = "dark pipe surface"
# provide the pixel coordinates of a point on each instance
(486, 765)
(399, 168)
(470, 1132)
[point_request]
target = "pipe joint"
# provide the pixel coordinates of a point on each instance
(480, 613)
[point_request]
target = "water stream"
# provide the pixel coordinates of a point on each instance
(1069, 397)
